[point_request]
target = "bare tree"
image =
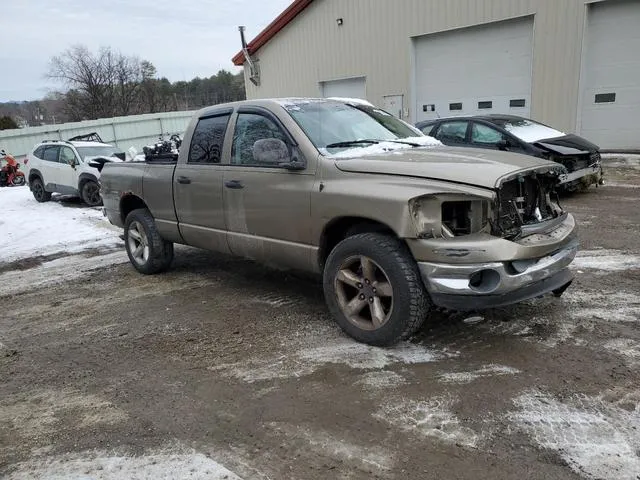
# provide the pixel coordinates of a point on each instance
(105, 84)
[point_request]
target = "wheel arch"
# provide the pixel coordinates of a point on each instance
(129, 203)
(35, 173)
(84, 178)
(342, 227)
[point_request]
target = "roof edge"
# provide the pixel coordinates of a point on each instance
(272, 29)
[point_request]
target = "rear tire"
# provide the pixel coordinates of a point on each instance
(373, 289)
(148, 252)
(90, 193)
(39, 193)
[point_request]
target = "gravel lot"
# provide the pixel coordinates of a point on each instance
(223, 369)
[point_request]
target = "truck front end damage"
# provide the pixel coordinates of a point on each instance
(508, 245)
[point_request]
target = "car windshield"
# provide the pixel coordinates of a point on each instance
(336, 126)
(528, 130)
(98, 151)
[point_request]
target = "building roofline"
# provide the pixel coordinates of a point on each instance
(272, 29)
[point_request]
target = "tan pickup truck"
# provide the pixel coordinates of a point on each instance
(395, 222)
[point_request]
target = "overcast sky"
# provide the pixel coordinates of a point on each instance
(183, 39)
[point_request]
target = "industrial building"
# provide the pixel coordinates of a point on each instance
(573, 64)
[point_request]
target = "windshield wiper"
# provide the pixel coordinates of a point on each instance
(350, 143)
(413, 144)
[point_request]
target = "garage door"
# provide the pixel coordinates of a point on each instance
(476, 70)
(610, 103)
(348, 87)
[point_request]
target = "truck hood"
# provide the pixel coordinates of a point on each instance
(482, 168)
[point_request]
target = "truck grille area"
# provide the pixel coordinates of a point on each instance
(525, 200)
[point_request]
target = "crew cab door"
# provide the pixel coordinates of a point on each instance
(197, 185)
(267, 207)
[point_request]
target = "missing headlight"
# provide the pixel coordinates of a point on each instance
(464, 217)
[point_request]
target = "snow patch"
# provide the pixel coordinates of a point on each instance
(35, 413)
(307, 360)
(605, 260)
(532, 132)
(381, 379)
(626, 347)
(100, 466)
(486, 371)
(337, 448)
(431, 418)
(357, 101)
(30, 229)
(597, 439)
(57, 271)
(385, 146)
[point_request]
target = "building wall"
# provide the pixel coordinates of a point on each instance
(375, 41)
(124, 132)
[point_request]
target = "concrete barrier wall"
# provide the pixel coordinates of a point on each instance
(125, 132)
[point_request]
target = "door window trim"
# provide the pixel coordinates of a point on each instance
(251, 110)
(228, 112)
(467, 132)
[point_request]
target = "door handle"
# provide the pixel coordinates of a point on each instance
(184, 180)
(236, 184)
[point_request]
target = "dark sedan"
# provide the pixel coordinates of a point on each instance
(522, 135)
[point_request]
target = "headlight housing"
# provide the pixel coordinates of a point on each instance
(450, 215)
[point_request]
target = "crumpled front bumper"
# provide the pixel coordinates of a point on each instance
(591, 175)
(485, 285)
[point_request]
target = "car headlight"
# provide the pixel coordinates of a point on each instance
(450, 216)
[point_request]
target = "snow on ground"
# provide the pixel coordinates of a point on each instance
(605, 260)
(99, 465)
(57, 271)
(306, 359)
(485, 371)
(597, 439)
(30, 229)
(432, 417)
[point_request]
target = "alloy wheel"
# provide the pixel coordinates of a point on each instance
(365, 294)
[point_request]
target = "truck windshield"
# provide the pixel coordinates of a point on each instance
(334, 126)
(98, 151)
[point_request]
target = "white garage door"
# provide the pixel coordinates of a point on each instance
(610, 103)
(476, 70)
(348, 87)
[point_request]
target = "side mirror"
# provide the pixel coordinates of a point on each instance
(71, 162)
(271, 151)
(503, 144)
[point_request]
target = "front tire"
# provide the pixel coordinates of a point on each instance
(373, 289)
(148, 252)
(18, 180)
(39, 193)
(90, 193)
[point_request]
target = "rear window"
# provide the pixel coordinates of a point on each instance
(207, 140)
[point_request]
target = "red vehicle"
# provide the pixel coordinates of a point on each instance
(10, 174)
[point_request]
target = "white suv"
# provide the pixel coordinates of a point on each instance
(60, 166)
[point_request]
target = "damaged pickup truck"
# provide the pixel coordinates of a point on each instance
(394, 222)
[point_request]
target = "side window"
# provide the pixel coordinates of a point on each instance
(51, 153)
(39, 152)
(67, 155)
(207, 140)
(485, 135)
(452, 131)
(251, 127)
